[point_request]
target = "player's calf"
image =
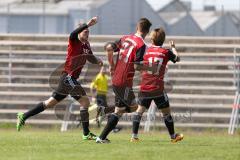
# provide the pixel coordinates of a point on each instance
(137, 116)
(84, 116)
(111, 124)
(40, 107)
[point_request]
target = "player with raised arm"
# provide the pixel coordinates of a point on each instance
(79, 51)
(132, 48)
(152, 83)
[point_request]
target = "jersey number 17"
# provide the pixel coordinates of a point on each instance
(155, 61)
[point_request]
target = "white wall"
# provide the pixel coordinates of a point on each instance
(3, 24)
(24, 24)
(53, 24)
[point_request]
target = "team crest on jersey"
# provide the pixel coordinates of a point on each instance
(86, 51)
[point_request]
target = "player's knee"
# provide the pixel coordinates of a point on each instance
(119, 111)
(119, 114)
(133, 108)
(51, 102)
(166, 111)
(84, 101)
(141, 109)
(167, 114)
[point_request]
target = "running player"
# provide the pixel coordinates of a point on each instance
(152, 84)
(79, 51)
(132, 49)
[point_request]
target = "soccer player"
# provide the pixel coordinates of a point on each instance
(152, 83)
(79, 51)
(132, 49)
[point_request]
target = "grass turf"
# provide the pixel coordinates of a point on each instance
(32, 144)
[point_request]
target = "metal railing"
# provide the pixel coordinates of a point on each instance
(234, 120)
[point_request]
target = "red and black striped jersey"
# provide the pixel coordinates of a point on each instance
(132, 49)
(77, 54)
(155, 55)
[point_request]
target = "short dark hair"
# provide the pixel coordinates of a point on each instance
(113, 45)
(158, 36)
(144, 25)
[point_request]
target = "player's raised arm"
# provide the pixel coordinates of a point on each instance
(82, 27)
(92, 21)
(174, 55)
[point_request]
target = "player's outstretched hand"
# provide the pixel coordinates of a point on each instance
(172, 44)
(92, 21)
(100, 62)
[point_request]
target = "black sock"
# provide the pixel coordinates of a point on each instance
(84, 115)
(39, 108)
(169, 124)
(111, 124)
(136, 122)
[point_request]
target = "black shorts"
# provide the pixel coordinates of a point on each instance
(124, 97)
(101, 100)
(161, 100)
(68, 85)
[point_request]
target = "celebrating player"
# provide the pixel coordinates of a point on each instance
(79, 51)
(132, 49)
(152, 84)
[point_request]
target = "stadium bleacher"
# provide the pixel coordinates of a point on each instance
(203, 82)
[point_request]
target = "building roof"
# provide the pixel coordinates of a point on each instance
(50, 8)
(205, 19)
(174, 6)
(236, 18)
(172, 17)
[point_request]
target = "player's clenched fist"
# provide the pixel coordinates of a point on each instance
(92, 21)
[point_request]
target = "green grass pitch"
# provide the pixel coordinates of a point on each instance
(48, 144)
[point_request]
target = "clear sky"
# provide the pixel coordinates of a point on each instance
(198, 4)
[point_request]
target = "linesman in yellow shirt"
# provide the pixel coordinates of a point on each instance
(100, 84)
